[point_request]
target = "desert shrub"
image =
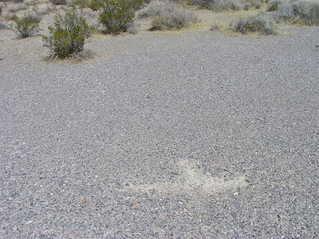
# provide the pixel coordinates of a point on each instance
(219, 5)
(155, 8)
(259, 24)
(68, 35)
(307, 11)
(253, 3)
(80, 3)
(95, 4)
(27, 25)
(138, 4)
(226, 5)
(10, 16)
(285, 12)
(30, 2)
(17, 1)
(173, 18)
(17, 7)
(116, 16)
(3, 25)
(301, 12)
(166, 15)
(273, 5)
(45, 11)
(58, 2)
(0, 11)
(214, 27)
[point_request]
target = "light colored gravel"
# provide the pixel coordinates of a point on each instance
(186, 135)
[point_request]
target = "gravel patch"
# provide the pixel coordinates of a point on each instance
(186, 135)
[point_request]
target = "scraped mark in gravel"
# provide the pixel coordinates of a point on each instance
(192, 180)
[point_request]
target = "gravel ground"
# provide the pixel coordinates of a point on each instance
(187, 135)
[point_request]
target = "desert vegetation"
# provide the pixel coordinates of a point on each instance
(227, 5)
(26, 25)
(71, 28)
(116, 15)
(58, 2)
(300, 12)
(68, 35)
(167, 15)
(259, 23)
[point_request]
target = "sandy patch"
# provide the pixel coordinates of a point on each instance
(192, 180)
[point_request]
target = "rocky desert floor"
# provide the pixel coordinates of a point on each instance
(185, 134)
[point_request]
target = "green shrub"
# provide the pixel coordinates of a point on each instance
(0, 11)
(259, 23)
(116, 16)
(95, 5)
(27, 25)
(80, 3)
(175, 18)
(58, 2)
(68, 35)
(17, 1)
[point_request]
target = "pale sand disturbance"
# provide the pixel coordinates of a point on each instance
(185, 119)
(191, 179)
